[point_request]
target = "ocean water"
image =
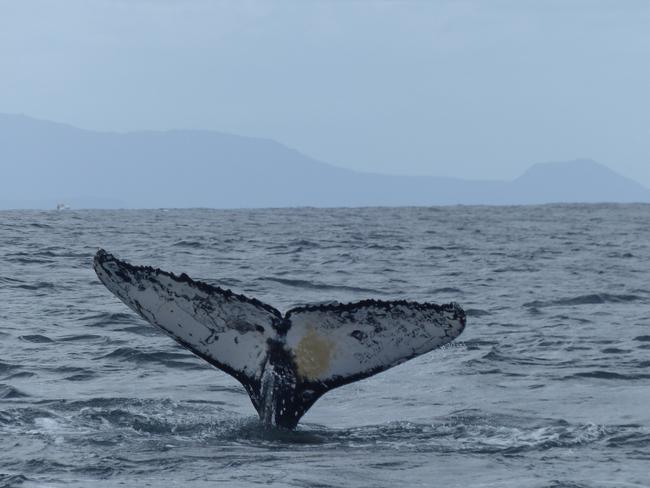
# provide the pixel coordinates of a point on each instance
(549, 385)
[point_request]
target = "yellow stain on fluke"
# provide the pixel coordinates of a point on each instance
(313, 354)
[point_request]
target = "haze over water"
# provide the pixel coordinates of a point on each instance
(547, 386)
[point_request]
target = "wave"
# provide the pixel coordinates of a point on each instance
(81, 337)
(21, 374)
(135, 437)
(190, 244)
(39, 285)
(7, 367)
(573, 318)
(5, 280)
(293, 246)
(11, 480)
(609, 375)
(516, 269)
(496, 356)
(26, 258)
(630, 439)
(476, 344)
(385, 247)
(72, 373)
(304, 243)
(108, 318)
(284, 251)
(85, 376)
(102, 419)
(614, 350)
(113, 420)
(8, 392)
(169, 359)
(447, 289)
(477, 435)
(37, 338)
(313, 285)
(476, 312)
(592, 299)
(624, 255)
(142, 330)
(45, 253)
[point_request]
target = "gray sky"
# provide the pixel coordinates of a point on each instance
(474, 89)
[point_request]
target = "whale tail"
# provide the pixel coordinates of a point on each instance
(285, 362)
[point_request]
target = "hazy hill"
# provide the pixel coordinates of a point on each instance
(581, 180)
(43, 163)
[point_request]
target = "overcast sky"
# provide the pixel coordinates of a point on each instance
(474, 89)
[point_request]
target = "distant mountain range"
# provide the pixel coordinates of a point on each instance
(44, 163)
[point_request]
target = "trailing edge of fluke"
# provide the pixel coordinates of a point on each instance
(285, 362)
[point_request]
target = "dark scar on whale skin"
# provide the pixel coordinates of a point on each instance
(358, 335)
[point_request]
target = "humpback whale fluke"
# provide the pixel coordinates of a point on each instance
(285, 362)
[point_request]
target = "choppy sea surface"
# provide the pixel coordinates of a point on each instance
(549, 385)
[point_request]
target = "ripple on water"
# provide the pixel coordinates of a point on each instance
(37, 338)
(37, 286)
(81, 338)
(314, 285)
(188, 244)
(593, 299)
(7, 367)
(104, 319)
(12, 480)
(8, 392)
(609, 375)
(473, 434)
(169, 359)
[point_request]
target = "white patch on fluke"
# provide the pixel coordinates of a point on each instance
(364, 339)
(226, 329)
